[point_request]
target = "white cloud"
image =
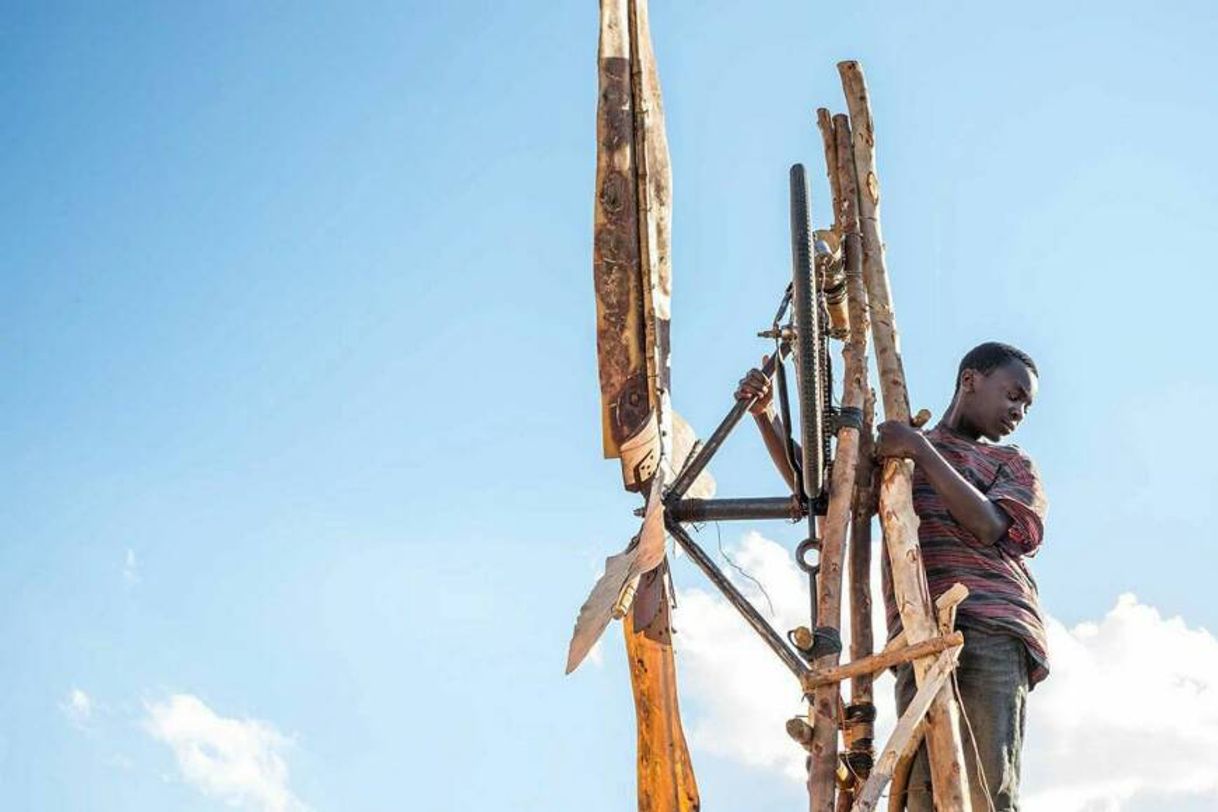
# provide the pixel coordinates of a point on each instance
(239, 761)
(1129, 718)
(1127, 722)
(131, 568)
(78, 707)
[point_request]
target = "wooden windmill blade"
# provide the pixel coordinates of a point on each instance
(632, 279)
(631, 262)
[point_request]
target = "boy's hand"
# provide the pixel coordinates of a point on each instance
(900, 440)
(756, 384)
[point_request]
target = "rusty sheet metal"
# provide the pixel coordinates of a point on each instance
(645, 552)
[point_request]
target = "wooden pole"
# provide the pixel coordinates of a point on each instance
(897, 517)
(858, 732)
(861, 642)
(826, 124)
(826, 699)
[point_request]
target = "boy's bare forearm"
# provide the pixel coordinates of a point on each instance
(773, 435)
(969, 506)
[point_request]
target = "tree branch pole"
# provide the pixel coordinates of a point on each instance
(897, 516)
(826, 699)
(858, 730)
(826, 124)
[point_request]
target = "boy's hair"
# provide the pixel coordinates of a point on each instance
(987, 357)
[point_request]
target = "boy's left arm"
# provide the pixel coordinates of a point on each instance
(969, 506)
(1017, 490)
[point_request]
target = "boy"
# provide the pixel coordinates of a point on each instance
(981, 509)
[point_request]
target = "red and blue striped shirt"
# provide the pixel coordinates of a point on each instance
(1002, 593)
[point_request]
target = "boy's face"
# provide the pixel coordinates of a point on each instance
(995, 403)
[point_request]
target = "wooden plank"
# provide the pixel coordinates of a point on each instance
(897, 517)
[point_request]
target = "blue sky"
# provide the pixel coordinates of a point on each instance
(297, 327)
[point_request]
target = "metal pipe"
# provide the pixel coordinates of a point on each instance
(789, 658)
(726, 510)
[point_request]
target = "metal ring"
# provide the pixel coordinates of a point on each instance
(801, 553)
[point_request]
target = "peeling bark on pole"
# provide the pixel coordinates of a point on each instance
(897, 517)
(826, 699)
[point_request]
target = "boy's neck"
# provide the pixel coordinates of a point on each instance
(954, 422)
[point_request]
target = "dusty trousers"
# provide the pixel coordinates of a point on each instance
(993, 680)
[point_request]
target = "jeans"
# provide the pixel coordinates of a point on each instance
(993, 679)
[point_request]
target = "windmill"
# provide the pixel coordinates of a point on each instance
(838, 290)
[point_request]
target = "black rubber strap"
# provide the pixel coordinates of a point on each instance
(848, 417)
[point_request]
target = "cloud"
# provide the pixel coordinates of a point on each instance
(77, 706)
(1129, 718)
(239, 761)
(1127, 722)
(131, 569)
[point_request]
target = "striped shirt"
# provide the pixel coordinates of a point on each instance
(1002, 594)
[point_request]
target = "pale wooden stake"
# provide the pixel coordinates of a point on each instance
(901, 773)
(897, 516)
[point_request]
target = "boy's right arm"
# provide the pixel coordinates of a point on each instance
(756, 385)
